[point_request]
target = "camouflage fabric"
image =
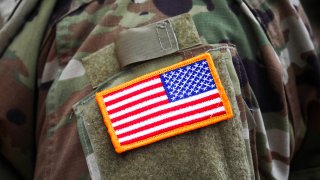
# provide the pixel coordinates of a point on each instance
(7, 7)
(17, 108)
(17, 12)
(305, 165)
(43, 77)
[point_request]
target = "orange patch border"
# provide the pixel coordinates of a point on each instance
(225, 100)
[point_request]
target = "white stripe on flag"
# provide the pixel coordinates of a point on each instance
(132, 89)
(138, 106)
(170, 124)
(168, 115)
(135, 98)
(165, 106)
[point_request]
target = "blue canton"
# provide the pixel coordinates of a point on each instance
(187, 81)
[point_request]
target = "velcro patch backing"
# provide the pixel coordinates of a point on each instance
(167, 102)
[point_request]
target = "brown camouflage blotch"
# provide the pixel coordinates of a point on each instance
(113, 6)
(48, 146)
(246, 93)
(98, 41)
(95, 6)
(52, 154)
(254, 153)
(274, 30)
(279, 157)
(267, 157)
(274, 71)
(65, 57)
(13, 67)
(79, 31)
(110, 2)
(285, 10)
(95, 42)
(240, 103)
(66, 107)
(110, 20)
(286, 33)
(17, 96)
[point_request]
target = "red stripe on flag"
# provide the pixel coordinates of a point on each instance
(151, 106)
(175, 108)
(132, 85)
(170, 128)
(140, 91)
(173, 118)
(136, 102)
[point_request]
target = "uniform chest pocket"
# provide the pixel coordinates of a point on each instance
(210, 150)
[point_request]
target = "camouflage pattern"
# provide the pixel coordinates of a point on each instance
(305, 164)
(17, 108)
(19, 11)
(7, 7)
(276, 65)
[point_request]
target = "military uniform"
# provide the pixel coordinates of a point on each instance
(68, 50)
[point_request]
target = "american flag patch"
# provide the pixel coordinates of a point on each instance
(177, 99)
